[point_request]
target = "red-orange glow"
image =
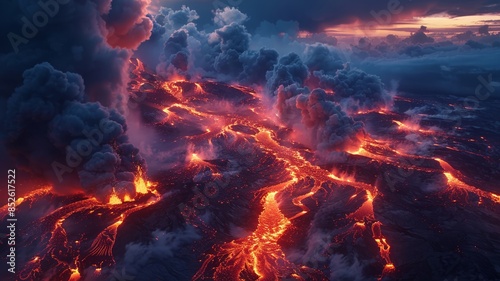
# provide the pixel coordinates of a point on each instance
(174, 89)
(382, 244)
(114, 199)
(440, 23)
(195, 158)
(452, 176)
(412, 127)
(259, 252)
(75, 275)
(142, 186)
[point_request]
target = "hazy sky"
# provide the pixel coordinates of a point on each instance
(360, 16)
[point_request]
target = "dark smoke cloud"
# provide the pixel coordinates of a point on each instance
(355, 89)
(325, 125)
(89, 43)
(232, 40)
(323, 58)
(52, 131)
(176, 54)
(256, 65)
(79, 37)
(127, 24)
(175, 19)
(289, 70)
(222, 52)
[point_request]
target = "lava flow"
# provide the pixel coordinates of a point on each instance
(256, 257)
(59, 249)
(264, 206)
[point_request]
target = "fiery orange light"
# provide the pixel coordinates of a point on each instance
(75, 275)
(174, 89)
(114, 199)
(451, 176)
(382, 244)
(259, 252)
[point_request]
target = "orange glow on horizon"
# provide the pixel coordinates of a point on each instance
(438, 23)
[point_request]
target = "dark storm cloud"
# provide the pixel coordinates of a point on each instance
(314, 16)
(53, 132)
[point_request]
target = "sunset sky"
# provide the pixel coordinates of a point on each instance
(348, 18)
(439, 23)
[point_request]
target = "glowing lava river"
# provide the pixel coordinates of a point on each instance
(232, 193)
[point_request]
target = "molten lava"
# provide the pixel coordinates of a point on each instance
(260, 255)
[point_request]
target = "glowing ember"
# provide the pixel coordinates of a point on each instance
(142, 186)
(114, 199)
(75, 275)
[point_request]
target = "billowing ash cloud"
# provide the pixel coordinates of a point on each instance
(355, 89)
(54, 132)
(176, 54)
(232, 40)
(256, 65)
(74, 56)
(77, 36)
(127, 24)
(220, 51)
(175, 19)
(325, 125)
(289, 70)
(322, 58)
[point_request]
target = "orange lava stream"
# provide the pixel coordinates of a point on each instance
(67, 254)
(451, 175)
(259, 254)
